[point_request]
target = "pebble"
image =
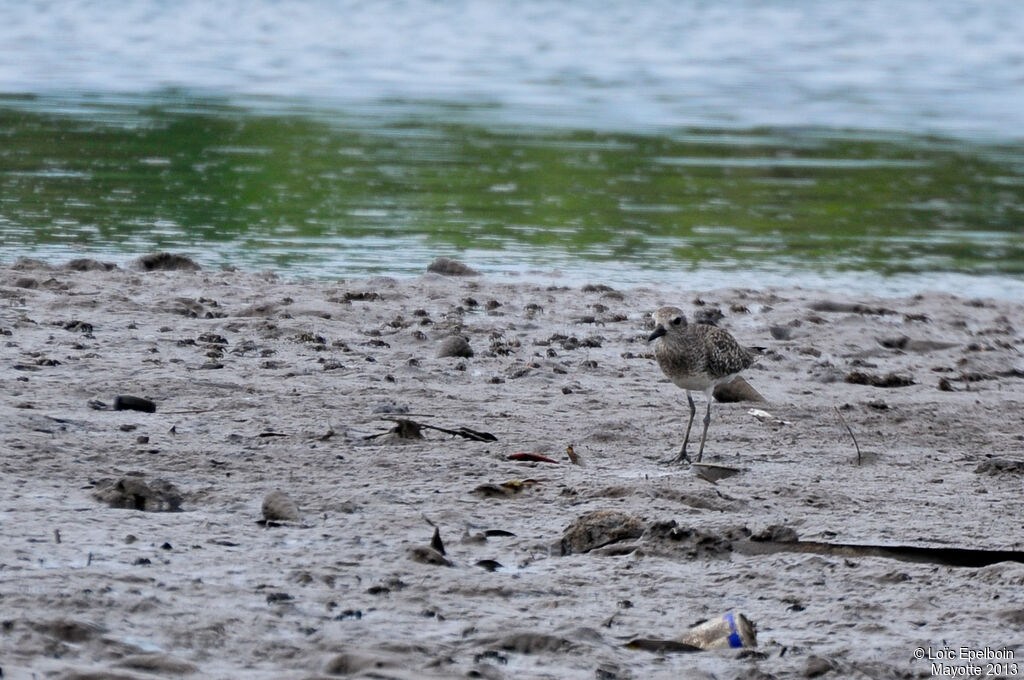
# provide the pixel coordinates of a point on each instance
(279, 507)
(599, 528)
(449, 267)
(427, 555)
(454, 346)
(816, 666)
(165, 262)
(126, 402)
(133, 493)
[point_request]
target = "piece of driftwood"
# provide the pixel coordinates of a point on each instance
(412, 429)
(953, 557)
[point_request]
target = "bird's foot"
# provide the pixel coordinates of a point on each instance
(680, 458)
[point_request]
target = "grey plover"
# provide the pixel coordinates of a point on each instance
(696, 357)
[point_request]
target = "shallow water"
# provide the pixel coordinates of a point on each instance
(727, 143)
(925, 66)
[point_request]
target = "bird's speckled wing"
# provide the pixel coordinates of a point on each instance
(724, 356)
(679, 359)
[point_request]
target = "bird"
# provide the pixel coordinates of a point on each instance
(695, 357)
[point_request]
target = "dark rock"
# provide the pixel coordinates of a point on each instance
(890, 380)
(68, 630)
(454, 346)
(904, 343)
(510, 488)
(23, 264)
(778, 533)
(87, 264)
(695, 543)
(450, 267)
(78, 326)
(427, 555)
(263, 309)
(849, 308)
(403, 429)
(157, 662)
(998, 466)
(126, 402)
(363, 664)
(134, 494)
(361, 296)
(165, 262)
(710, 316)
(600, 528)
(533, 643)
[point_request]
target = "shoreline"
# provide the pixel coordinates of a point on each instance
(496, 270)
(261, 383)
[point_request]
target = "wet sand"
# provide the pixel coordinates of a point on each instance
(262, 384)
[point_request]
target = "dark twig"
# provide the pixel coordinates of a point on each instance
(463, 432)
(843, 421)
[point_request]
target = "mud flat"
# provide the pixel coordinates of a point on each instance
(409, 540)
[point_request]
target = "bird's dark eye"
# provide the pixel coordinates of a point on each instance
(676, 321)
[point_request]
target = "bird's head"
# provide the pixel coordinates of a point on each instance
(667, 321)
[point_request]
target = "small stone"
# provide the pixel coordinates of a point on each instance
(599, 528)
(997, 466)
(454, 346)
(531, 642)
(364, 664)
(428, 555)
(450, 267)
(86, 264)
(133, 493)
(126, 402)
(70, 630)
(816, 666)
(165, 262)
(279, 507)
(156, 662)
(776, 533)
(890, 380)
(781, 332)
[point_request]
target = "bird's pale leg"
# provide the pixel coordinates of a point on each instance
(704, 435)
(682, 457)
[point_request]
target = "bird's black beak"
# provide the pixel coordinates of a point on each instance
(658, 332)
